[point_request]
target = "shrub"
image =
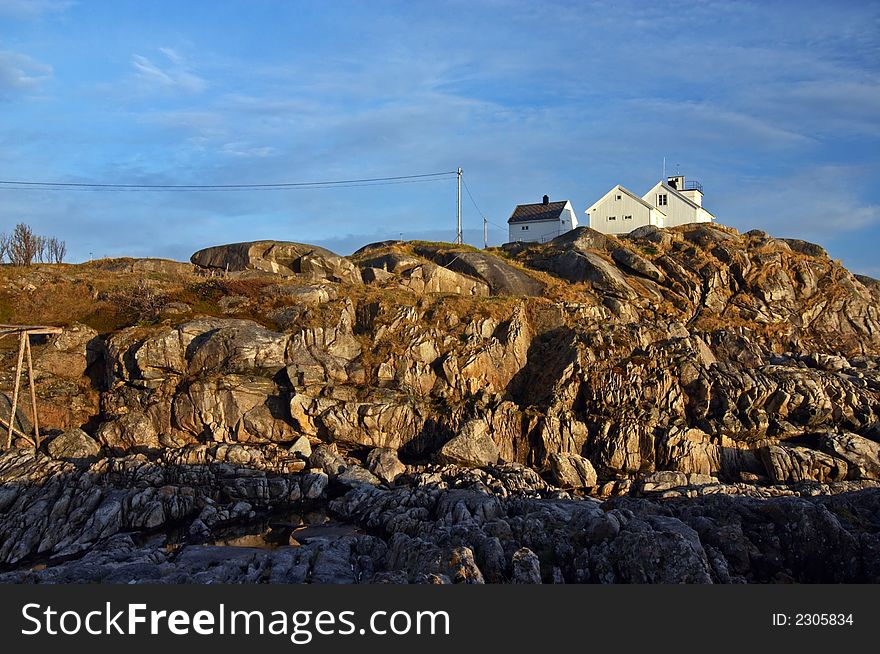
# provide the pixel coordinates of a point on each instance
(139, 301)
(23, 247)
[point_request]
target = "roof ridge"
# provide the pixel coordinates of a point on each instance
(537, 211)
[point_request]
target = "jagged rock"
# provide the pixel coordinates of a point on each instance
(383, 463)
(354, 475)
(131, 431)
(327, 458)
(309, 295)
(582, 238)
(472, 447)
(381, 420)
(391, 262)
(431, 278)
(73, 444)
(378, 245)
(282, 257)
(749, 367)
(375, 275)
(578, 266)
(313, 484)
(239, 348)
(144, 265)
(862, 455)
(500, 277)
(787, 464)
(665, 480)
(651, 234)
(805, 247)
(301, 446)
(705, 234)
(630, 260)
(266, 423)
(70, 353)
(175, 309)
(526, 567)
(233, 407)
(572, 471)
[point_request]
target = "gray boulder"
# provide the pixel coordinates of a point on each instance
(355, 475)
(280, 257)
(582, 238)
(73, 444)
(577, 266)
(472, 448)
(651, 234)
(301, 446)
(328, 459)
(637, 264)
(572, 471)
(805, 247)
(383, 463)
(501, 277)
(862, 455)
(526, 567)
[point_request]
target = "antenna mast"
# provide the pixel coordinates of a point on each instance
(458, 239)
(485, 233)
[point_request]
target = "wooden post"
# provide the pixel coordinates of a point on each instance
(30, 362)
(14, 406)
(24, 344)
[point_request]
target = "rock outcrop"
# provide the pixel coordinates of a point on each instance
(681, 405)
(281, 257)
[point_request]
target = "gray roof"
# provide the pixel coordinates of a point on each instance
(528, 213)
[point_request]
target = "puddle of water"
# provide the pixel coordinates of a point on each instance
(280, 529)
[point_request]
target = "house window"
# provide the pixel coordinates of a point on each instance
(612, 217)
(618, 197)
(661, 199)
(525, 226)
(627, 217)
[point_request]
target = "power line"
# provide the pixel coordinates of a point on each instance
(482, 215)
(342, 183)
(472, 198)
(206, 189)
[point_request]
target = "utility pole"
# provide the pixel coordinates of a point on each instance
(485, 233)
(458, 238)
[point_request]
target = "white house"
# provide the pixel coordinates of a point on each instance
(620, 211)
(681, 202)
(541, 222)
(667, 204)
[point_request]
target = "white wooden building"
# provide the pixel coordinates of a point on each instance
(541, 222)
(681, 202)
(668, 204)
(620, 211)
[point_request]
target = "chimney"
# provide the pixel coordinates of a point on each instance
(546, 199)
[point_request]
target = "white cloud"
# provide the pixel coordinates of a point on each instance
(173, 76)
(247, 150)
(20, 74)
(716, 123)
(817, 204)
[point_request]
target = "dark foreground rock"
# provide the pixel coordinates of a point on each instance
(207, 515)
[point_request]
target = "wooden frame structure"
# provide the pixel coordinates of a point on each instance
(24, 333)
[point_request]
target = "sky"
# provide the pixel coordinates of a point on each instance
(773, 106)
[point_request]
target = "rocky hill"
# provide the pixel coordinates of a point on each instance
(690, 404)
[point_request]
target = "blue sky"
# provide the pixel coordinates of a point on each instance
(774, 106)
